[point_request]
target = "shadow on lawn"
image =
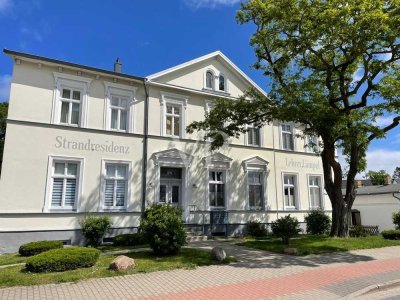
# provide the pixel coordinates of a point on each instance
(254, 258)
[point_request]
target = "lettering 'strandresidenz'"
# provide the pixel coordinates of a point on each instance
(82, 140)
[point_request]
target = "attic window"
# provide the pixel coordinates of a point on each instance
(209, 80)
(221, 85)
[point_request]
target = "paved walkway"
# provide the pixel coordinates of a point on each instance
(258, 275)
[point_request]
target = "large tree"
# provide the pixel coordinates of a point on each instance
(333, 66)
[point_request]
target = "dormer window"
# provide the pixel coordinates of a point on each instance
(221, 85)
(209, 80)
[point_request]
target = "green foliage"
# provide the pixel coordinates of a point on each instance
(396, 219)
(358, 231)
(94, 229)
(3, 118)
(37, 247)
(377, 177)
(317, 222)
(396, 175)
(59, 260)
(163, 228)
(335, 78)
(129, 239)
(286, 228)
(391, 234)
(256, 229)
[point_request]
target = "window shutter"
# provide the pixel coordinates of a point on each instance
(120, 196)
(70, 192)
(109, 193)
(56, 197)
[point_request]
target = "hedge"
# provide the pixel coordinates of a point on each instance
(129, 239)
(59, 260)
(391, 234)
(37, 247)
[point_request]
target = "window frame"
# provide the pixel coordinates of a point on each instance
(262, 184)
(321, 192)
(120, 91)
(216, 183)
(296, 191)
(292, 135)
(52, 160)
(260, 135)
(174, 100)
(225, 90)
(309, 149)
(71, 82)
(128, 180)
(212, 88)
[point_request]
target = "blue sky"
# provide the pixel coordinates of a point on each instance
(148, 36)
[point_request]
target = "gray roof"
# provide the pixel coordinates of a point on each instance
(379, 189)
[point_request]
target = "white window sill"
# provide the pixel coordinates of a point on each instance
(290, 208)
(62, 210)
(114, 209)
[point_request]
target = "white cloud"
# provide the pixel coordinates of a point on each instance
(5, 84)
(33, 33)
(195, 4)
(383, 159)
(384, 121)
(5, 5)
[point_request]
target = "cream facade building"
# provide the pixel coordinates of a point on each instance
(81, 141)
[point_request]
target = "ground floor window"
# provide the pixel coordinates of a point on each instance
(290, 190)
(255, 188)
(116, 184)
(314, 185)
(64, 181)
(216, 185)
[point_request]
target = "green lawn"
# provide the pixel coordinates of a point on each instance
(315, 244)
(13, 258)
(145, 262)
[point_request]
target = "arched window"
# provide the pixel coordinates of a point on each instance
(209, 80)
(221, 83)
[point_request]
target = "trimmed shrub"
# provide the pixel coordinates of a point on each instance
(317, 222)
(396, 219)
(163, 228)
(59, 260)
(129, 239)
(286, 228)
(255, 228)
(94, 229)
(358, 231)
(391, 234)
(37, 247)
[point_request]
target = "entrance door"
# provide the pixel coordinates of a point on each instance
(170, 192)
(170, 185)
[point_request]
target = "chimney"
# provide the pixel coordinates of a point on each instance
(388, 180)
(358, 183)
(117, 66)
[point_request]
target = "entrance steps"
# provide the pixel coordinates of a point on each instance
(195, 234)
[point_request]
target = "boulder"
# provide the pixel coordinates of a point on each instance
(122, 263)
(290, 251)
(218, 253)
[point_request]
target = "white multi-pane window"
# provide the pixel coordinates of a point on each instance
(70, 106)
(209, 80)
(216, 186)
(290, 190)
(253, 135)
(64, 184)
(119, 113)
(312, 144)
(287, 137)
(255, 188)
(173, 119)
(314, 185)
(115, 185)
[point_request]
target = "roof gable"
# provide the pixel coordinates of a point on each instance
(215, 60)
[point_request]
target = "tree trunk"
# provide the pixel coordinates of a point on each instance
(341, 204)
